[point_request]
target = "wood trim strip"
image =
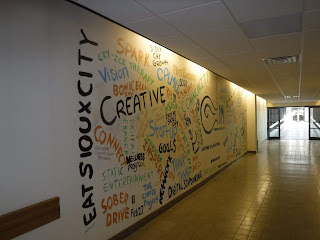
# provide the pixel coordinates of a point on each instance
(16, 223)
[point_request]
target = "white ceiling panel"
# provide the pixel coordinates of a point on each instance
(177, 42)
(239, 58)
(116, 11)
(273, 26)
(311, 44)
(287, 76)
(222, 41)
(311, 20)
(195, 52)
(277, 53)
(165, 6)
(213, 64)
(247, 10)
(209, 15)
(153, 28)
(312, 5)
(279, 42)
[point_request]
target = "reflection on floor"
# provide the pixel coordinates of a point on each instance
(295, 130)
(273, 194)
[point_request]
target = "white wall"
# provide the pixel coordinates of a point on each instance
(261, 119)
(37, 114)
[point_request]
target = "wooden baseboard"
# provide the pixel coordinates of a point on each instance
(19, 222)
(128, 231)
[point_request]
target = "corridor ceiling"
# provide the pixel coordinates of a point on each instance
(232, 37)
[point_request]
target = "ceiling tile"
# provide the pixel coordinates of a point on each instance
(165, 6)
(277, 53)
(311, 45)
(312, 5)
(121, 11)
(273, 26)
(177, 42)
(214, 64)
(152, 28)
(280, 42)
(205, 16)
(239, 58)
(222, 41)
(247, 10)
(311, 20)
(287, 76)
(195, 52)
(309, 94)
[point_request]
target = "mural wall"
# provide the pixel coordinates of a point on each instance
(150, 125)
(113, 124)
(261, 119)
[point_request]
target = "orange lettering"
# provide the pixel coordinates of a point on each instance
(134, 54)
(119, 43)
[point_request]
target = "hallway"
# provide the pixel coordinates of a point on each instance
(293, 130)
(273, 194)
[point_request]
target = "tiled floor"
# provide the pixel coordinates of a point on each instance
(273, 194)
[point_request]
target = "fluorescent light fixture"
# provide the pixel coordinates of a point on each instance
(282, 60)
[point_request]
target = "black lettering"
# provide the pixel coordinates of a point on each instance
(144, 103)
(91, 217)
(86, 40)
(83, 93)
(150, 98)
(128, 106)
(81, 57)
(86, 154)
(85, 107)
(87, 130)
(83, 171)
(84, 190)
(102, 115)
(156, 97)
(85, 74)
(161, 94)
(88, 202)
(85, 138)
(120, 110)
(136, 97)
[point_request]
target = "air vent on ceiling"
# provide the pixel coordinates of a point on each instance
(284, 59)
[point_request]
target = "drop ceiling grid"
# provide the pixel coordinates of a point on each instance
(237, 40)
(197, 44)
(112, 8)
(172, 18)
(310, 67)
(240, 27)
(249, 10)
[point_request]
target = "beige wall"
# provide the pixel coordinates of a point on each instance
(261, 106)
(251, 123)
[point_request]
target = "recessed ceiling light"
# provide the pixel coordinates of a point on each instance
(291, 96)
(281, 60)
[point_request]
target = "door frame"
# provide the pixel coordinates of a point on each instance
(312, 138)
(268, 129)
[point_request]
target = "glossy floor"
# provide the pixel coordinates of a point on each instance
(273, 194)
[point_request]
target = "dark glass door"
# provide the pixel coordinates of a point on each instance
(314, 123)
(273, 123)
